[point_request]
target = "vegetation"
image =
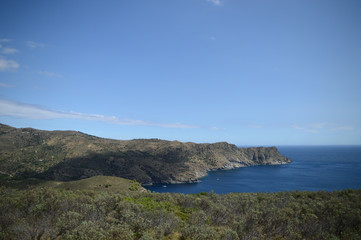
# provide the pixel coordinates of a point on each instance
(100, 207)
(44, 213)
(69, 155)
(97, 184)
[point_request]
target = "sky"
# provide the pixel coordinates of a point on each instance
(249, 72)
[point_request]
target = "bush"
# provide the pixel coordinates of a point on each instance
(43, 213)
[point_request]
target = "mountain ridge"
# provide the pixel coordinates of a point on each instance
(72, 155)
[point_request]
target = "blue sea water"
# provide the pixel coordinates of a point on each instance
(313, 168)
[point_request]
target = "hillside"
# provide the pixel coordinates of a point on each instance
(71, 155)
(97, 184)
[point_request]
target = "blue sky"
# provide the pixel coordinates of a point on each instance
(265, 72)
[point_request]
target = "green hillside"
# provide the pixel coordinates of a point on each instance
(69, 155)
(96, 183)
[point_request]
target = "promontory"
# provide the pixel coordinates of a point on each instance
(71, 155)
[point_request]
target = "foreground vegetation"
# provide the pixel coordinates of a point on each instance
(45, 213)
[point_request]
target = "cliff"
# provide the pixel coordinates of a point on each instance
(71, 155)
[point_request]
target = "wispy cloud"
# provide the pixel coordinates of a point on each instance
(322, 126)
(343, 128)
(8, 65)
(21, 110)
(5, 40)
(50, 74)
(303, 128)
(8, 50)
(319, 125)
(254, 126)
(216, 2)
(5, 85)
(217, 128)
(32, 44)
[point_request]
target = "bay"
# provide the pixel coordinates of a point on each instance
(313, 168)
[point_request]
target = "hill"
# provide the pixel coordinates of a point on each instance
(71, 155)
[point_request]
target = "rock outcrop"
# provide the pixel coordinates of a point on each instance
(70, 155)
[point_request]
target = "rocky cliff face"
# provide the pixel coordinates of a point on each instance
(70, 155)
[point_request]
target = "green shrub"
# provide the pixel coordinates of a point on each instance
(49, 214)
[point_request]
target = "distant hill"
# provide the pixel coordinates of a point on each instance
(71, 155)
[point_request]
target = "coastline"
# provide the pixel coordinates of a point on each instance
(312, 169)
(202, 174)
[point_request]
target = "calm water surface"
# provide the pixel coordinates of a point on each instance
(313, 168)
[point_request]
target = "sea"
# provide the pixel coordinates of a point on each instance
(313, 168)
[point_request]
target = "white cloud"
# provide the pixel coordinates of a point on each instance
(50, 74)
(217, 128)
(20, 110)
(8, 50)
(254, 126)
(343, 128)
(5, 40)
(322, 126)
(32, 44)
(8, 65)
(319, 125)
(216, 2)
(5, 85)
(306, 129)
